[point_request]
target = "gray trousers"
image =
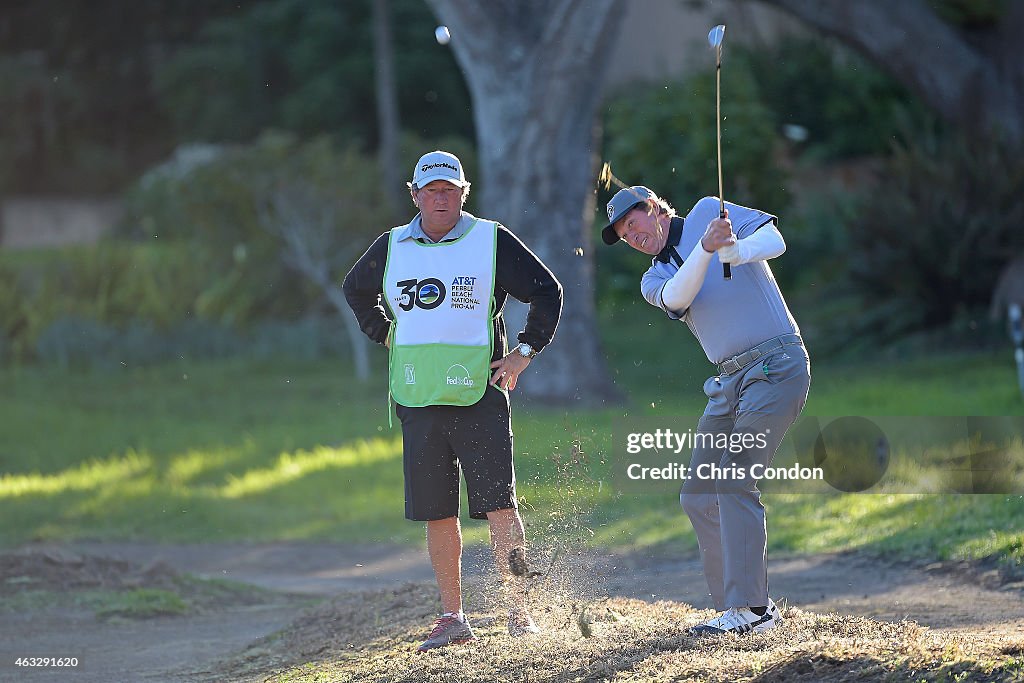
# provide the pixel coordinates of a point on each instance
(763, 398)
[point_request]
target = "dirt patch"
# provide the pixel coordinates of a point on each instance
(371, 636)
(897, 620)
(301, 567)
(990, 573)
(61, 578)
(935, 595)
(60, 570)
(122, 620)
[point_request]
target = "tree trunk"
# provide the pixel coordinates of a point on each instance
(975, 82)
(360, 355)
(535, 70)
(304, 221)
(387, 107)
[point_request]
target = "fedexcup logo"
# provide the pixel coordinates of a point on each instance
(458, 375)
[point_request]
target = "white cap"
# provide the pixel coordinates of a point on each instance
(438, 165)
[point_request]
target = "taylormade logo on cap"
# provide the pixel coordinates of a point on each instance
(427, 167)
(439, 165)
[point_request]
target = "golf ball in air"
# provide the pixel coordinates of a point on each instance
(442, 35)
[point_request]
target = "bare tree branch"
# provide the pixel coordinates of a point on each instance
(305, 220)
(932, 58)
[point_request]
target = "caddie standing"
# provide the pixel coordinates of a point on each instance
(432, 291)
(759, 388)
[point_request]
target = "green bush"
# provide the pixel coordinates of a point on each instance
(198, 268)
(109, 284)
(137, 303)
(930, 242)
(74, 341)
(218, 205)
(280, 64)
(847, 106)
(817, 239)
(663, 136)
(230, 206)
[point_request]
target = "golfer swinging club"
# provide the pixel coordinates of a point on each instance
(759, 388)
(433, 292)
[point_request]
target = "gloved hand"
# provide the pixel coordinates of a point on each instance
(730, 254)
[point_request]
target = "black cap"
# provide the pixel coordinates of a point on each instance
(624, 200)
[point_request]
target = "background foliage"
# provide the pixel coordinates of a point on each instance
(883, 214)
(95, 93)
(239, 95)
(847, 106)
(307, 66)
(939, 227)
(663, 136)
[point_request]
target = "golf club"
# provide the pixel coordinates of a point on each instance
(715, 36)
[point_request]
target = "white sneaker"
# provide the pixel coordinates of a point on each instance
(740, 620)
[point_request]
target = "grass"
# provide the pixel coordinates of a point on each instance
(169, 595)
(139, 603)
(261, 451)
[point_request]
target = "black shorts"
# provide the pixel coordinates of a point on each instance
(438, 440)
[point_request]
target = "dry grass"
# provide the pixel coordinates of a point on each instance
(372, 637)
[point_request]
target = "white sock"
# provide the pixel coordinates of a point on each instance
(460, 615)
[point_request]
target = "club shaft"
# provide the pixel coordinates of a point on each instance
(726, 268)
(718, 126)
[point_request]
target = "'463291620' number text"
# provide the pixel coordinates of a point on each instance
(46, 661)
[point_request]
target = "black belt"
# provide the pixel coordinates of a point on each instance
(737, 363)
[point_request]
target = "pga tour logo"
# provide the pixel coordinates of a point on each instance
(458, 375)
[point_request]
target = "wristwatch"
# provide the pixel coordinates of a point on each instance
(526, 351)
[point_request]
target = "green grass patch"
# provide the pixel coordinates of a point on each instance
(124, 593)
(141, 603)
(259, 451)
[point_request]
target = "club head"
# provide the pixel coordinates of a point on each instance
(715, 36)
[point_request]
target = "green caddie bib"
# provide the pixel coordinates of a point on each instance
(441, 298)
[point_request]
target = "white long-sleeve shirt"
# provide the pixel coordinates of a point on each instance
(765, 243)
(726, 316)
